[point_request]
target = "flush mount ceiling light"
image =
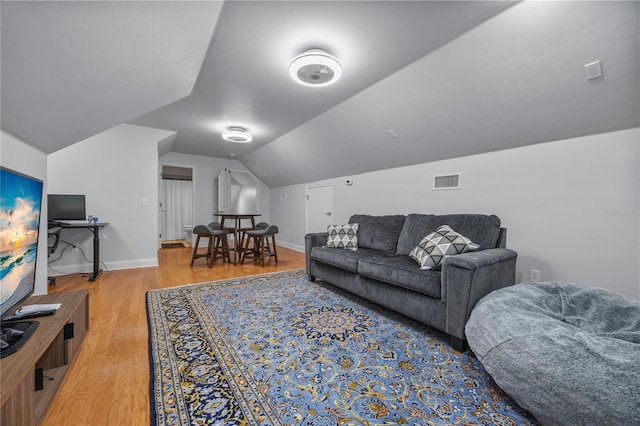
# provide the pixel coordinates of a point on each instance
(237, 135)
(315, 68)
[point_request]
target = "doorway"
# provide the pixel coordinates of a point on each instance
(176, 206)
(319, 208)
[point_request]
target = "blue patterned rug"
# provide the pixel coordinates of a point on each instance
(277, 349)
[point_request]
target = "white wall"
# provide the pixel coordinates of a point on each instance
(571, 207)
(23, 158)
(289, 214)
(205, 171)
(116, 170)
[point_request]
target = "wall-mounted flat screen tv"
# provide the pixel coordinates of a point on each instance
(20, 201)
(66, 207)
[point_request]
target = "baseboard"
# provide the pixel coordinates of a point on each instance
(290, 246)
(87, 268)
(134, 263)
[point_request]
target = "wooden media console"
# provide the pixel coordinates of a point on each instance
(30, 377)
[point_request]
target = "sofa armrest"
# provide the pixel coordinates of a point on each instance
(468, 277)
(317, 239)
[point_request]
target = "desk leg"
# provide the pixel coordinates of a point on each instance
(96, 253)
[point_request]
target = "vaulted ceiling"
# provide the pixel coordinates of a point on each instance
(450, 78)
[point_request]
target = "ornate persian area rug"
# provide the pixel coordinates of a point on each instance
(276, 349)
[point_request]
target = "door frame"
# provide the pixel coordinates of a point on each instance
(161, 197)
(306, 204)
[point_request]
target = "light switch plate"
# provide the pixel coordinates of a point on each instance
(593, 70)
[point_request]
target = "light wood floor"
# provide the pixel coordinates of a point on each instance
(108, 384)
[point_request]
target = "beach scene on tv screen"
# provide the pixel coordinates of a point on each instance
(19, 221)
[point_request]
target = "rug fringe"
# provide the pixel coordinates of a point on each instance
(256, 276)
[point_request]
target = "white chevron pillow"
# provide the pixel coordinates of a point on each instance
(442, 242)
(343, 236)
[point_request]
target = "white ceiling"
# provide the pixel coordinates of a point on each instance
(245, 80)
(73, 69)
(515, 80)
(451, 78)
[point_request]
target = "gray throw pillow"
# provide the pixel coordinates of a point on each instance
(343, 236)
(442, 242)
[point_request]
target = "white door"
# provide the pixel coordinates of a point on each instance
(319, 208)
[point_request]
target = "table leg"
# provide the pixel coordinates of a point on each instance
(96, 253)
(235, 243)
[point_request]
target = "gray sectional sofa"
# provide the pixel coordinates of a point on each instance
(382, 271)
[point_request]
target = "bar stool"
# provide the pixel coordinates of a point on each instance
(261, 247)
(218, 244)
(221, 246)
(217, 225)
(225, 249)
(241, 231)
(243, 242)
(238, 237)
(261, 225)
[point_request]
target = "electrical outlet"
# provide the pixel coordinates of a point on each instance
(75, 249)
(534, 276)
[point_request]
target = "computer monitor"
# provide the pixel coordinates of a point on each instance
(66, 207)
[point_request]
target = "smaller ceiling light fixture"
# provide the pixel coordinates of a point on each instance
(237, 135)
(315, 68)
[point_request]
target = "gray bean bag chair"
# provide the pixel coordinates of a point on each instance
(569, 354)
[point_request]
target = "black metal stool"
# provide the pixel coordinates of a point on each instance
(262, 248)
(218, 244)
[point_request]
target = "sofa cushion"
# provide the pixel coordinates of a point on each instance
(401, 271)
(343, 236)
(444, 241)
(378, 232)
(481, 229)
(345, 259)
(416, 226)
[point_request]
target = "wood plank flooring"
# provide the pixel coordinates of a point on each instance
(108, 384)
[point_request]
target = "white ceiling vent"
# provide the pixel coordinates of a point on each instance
(448, 181)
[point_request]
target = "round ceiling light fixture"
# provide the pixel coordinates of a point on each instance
(315, 68)
(237, 135)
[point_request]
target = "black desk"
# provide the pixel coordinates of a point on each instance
(96, 241)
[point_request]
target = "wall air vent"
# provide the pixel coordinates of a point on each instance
(448, 181)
